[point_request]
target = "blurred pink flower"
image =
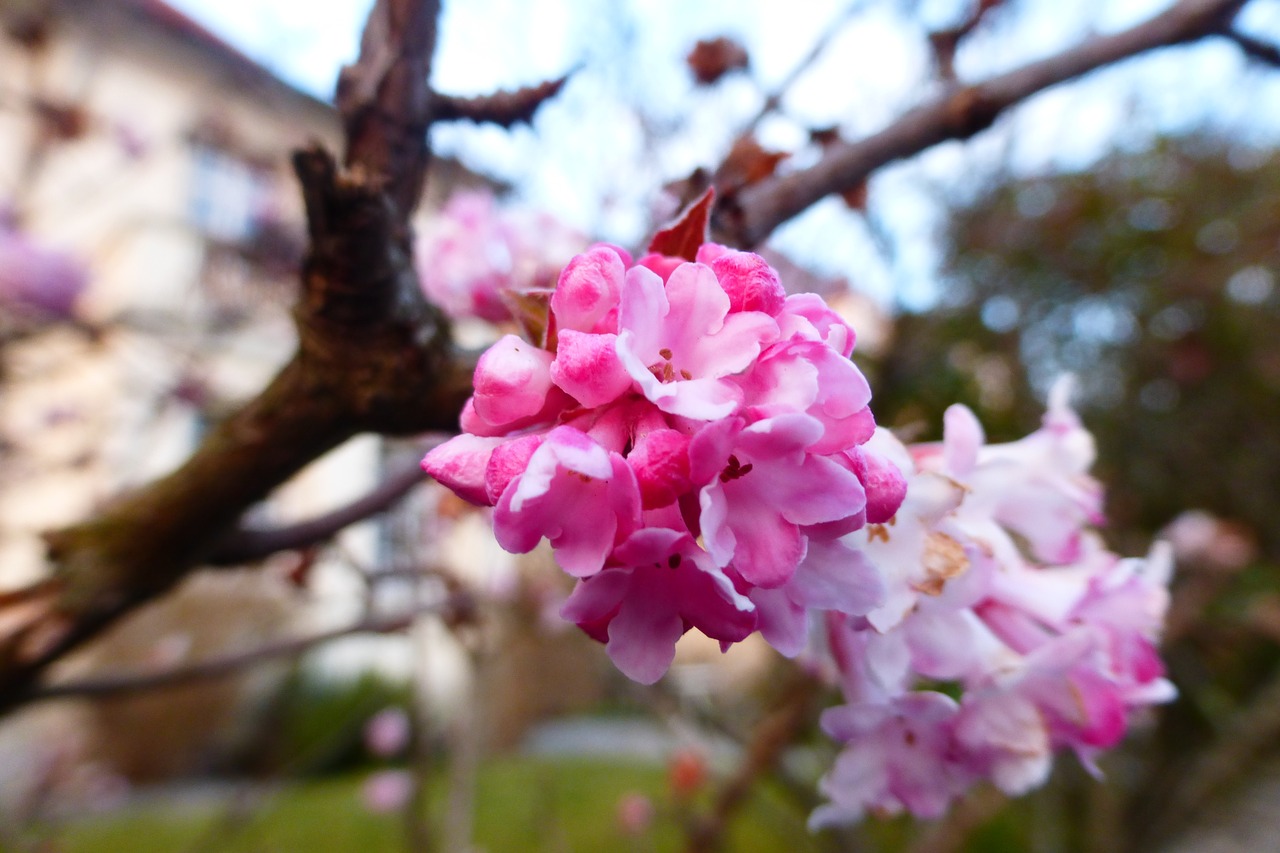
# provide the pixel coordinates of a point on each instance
(36, 280)
(387, 791)
(474, 251)
(635, 813)
(386, 734)
(1201, 537)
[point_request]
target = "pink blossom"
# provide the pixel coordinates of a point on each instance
(581, 497)
(681, 345)
(699, 453)
(635, 813)
(668, 585)
(689, 442)
(996, 586)
(763, 485)
(387, 791)
(387, 732)
(475, 253)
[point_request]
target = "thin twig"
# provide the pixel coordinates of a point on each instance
(503, 108)
(769, 740)
(1253, 731)
(247, 544)
(958, 113)
(945, 43)
(229, 664)
(1255, 48)
(774, 98)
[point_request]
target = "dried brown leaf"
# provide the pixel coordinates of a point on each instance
(711, 59)
(682, 238)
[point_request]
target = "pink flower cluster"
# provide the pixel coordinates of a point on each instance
(690, 441)
(475, 251)
(697, 448)
(996, 588)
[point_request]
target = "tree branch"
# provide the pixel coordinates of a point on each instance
(386, 101)
(960, 112)
(946, 42)
(1257, 49)
(819, 47)
(247, 544)
(771, 737)
(372, 355)
(90, 688)
(502, 108)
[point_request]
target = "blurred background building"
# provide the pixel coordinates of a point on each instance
(150, 236)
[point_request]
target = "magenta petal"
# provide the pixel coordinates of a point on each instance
(834, 576)
(507, 462)
(575, 493)
(818, 490)
(588, 290)
(808, 316)
(460, 464)
(698, 303)
(767, 547)
(512, 380)
(642, 311)
(642, 640)
(709, 253)
(804, 489)
(661, 265)
(783, 623)
(596, 598)
(751, 284)
(710, 447)
(669, 586)
(784, 438)
(661, 462)
(586, 366)
(678, 345)
(882, 481)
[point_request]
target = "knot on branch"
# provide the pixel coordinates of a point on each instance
(367, 335)
(970, 111)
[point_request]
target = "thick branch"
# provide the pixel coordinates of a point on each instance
(502, 108)
(373, 355)
(958, 113)
(385, 99)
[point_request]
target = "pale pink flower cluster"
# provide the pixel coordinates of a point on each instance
(1007, 631)
(475, 252)
(689, 440)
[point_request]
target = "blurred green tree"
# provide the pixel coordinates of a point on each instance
(1152, 277)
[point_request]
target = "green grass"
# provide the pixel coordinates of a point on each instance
(522, 804)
